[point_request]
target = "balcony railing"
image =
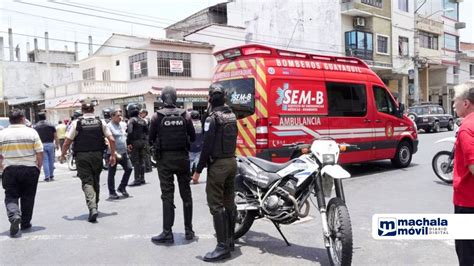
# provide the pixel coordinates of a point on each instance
(360, 53)
(87, 87)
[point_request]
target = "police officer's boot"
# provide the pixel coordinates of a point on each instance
(188, 220)
(231, 216)
(142, 176)
(222, 248)
(136, 174)
(166, 237)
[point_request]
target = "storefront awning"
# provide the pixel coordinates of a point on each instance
(68, 104)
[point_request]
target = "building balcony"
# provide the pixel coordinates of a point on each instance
(360, 53)
(89, 87)
(359, 8)
(429, 25)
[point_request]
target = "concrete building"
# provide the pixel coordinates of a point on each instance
(22, 84)
(402, 43)
(367, 34)
(129, 69)
(466, 61)
(285, 24)
(437, 25)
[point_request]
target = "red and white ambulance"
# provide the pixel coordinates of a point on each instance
(284, 97)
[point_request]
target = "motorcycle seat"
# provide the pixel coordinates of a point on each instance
(268, 166)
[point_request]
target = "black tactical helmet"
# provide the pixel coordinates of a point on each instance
(106, 113)
(195, 115)
(216, 95)
(168, 95)
(133, 109)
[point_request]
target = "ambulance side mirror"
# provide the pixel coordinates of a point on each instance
(401, 110)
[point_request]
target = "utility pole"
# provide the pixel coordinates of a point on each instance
(416, 81)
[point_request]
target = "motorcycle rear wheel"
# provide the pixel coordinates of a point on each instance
(441, 167)
(340, 233)
(244, 219)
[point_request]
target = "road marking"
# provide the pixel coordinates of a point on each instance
(80, 237)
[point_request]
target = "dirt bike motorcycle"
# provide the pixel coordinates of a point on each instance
(280, 193)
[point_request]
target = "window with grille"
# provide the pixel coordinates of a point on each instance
(382, 44)
(376, 3)
(174, 64)
(138, 65)
(88, 74)
(428, 40)
(403, 46)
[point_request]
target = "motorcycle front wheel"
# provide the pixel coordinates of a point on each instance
(340, 233)
(442, 166)
(244, 219)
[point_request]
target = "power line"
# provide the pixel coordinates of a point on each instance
(125, 12)
(60, 20)
(107, 12)
(232, 37)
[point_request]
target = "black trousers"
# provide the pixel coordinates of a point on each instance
(220, 185)
(20, 183)
(464, 248)
(127, 171)
(175, 163)
(137, 157)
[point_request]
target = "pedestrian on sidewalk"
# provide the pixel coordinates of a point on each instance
(218, 155)
(88, 134)
(119, 131)
(61, 133)
(463, 176)
(48, 136)
(22, 153)
(170, 134)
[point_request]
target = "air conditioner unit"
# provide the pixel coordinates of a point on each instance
(359, 22)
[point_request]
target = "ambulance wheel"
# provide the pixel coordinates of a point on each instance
(403, 155)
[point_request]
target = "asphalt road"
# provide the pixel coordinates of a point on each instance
(62, 235)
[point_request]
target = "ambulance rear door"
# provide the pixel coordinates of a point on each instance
(297, 112)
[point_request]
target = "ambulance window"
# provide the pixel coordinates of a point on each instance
(383, 101)
(346, 99)
(240, 96)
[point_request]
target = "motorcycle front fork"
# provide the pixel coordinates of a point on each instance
(322, 204)
(322, 208)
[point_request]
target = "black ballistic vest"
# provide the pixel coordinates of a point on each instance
(172, 134)
(226, 134)
(140, 128)
(89, 135)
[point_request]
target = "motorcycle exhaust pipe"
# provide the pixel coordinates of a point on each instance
(246, 207)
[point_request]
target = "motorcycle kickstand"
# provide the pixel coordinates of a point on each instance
(281, 233)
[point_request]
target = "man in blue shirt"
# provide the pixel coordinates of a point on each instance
(119, 129)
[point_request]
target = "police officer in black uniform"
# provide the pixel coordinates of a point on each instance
(88, 134)
(137, 131)
(106, 113)
(220, 140)
(170, 134)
